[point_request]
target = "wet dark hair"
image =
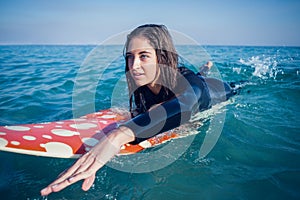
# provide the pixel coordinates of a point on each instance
(160, 39)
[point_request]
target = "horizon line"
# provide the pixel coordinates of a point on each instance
(94, 44)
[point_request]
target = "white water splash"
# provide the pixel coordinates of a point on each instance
(264, 67)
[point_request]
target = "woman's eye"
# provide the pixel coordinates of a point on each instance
(144, 56)
(129, 57)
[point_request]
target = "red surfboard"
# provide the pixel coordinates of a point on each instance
(70, 138)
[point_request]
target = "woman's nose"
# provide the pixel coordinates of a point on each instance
(136, 63)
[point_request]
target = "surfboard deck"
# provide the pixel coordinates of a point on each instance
(70, 138)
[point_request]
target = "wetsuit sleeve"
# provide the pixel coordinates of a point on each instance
(170, 114)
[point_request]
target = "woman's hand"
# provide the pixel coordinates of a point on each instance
(87, 166)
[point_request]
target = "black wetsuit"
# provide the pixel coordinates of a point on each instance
(196, 93)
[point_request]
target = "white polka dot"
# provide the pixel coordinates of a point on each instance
(17, 128)
(103, 122)
(58, 126)
(122, 147)
(145, 144)
(3, 142)
(42, 145)
(2, 133)
(79, 120)
(15, 143)
(108, 116)
(38, 126)
(47, 137)
(64, 132)
(83, 126)
(60, 122)
(59, 149)
(28, 137)
(90, 141)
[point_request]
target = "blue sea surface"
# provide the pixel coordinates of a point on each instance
(257, 155)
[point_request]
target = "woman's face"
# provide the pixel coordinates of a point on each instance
(142, 61)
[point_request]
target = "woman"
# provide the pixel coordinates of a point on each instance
(163, 95)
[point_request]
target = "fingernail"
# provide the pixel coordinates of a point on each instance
(54, 186)
(44, 190)
(70, 179)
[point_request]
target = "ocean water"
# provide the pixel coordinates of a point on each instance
(257, 155)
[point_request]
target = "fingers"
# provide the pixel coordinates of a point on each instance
(88, 182)
(88, 174)
(84, 165)
(84, 168)
(46, 191)
(84, 175)
(72, 169)
(56, 186)
(64, 178)
(87, 166)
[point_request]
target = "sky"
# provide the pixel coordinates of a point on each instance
(208, 22)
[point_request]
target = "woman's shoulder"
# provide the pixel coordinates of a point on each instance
(189, 76)
(184, 71)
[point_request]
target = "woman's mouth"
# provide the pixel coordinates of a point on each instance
(138, 75)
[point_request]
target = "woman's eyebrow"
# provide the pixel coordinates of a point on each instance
(141, 52)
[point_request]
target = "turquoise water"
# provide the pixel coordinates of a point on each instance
(256, 157)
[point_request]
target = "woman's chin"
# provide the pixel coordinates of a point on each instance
(140, 83)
